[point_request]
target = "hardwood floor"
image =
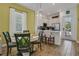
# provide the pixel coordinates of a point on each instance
(67, 48)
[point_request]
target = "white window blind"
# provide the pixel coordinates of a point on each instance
(18, 21)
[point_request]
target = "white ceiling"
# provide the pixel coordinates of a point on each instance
(49, 8)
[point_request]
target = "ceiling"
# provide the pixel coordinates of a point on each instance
(49, 8)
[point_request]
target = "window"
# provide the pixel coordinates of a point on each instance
(18, 21)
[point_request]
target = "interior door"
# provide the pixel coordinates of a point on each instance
(67, 27)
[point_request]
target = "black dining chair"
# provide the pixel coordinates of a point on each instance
(9, 43)
(23, 44)
(25, 31)
(39, 41)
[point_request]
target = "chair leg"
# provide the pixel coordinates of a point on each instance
(19, 54)
(10, 50)
(7, 51)
(29, 53)
(32, 48)
(53, 40)
(45, 39)
(40, 45)
(48, 40)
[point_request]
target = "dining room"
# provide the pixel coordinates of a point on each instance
(37, 29)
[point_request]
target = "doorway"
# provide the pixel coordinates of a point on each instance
(67, 27)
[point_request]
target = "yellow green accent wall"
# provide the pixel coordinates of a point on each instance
(4, 16)
(78, 22)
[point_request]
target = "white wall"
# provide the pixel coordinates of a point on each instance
(74, 31)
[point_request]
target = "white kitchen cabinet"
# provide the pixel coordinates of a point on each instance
(57, 35)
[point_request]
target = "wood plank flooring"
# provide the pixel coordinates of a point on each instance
(67, 48)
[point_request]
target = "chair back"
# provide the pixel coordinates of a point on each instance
(7, 37)
(40, 34)
(22, 40)
(25, 31)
